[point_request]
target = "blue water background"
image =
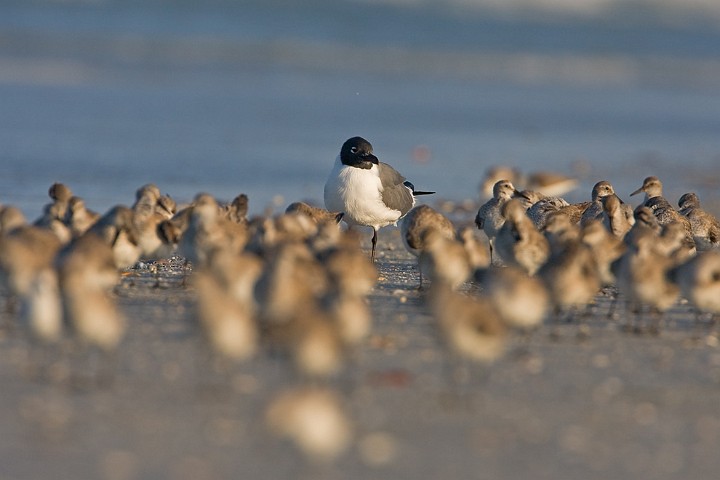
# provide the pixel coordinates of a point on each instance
(257, 97)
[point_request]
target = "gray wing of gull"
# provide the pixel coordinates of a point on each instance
(396, 194)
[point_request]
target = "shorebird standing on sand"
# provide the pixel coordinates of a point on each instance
(660, 206)
(518, 242)
(416, 225)
(53, 216)
(78, 217)
(11, 217)
(705, 227)
(314, 419)
(368, 191)
(615, 216)
(520, 300)
(444, 259)
(488, 218)
(642, 277)
(595, 210)
(699, 281)
(87, 271)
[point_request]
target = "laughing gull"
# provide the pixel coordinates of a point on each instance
(369, 192)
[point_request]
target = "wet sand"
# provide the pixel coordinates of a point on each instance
(557, 405)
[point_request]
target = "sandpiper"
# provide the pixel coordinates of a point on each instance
(470, 325)
(11, 217)
(675, 244)
(661, 208)
(601, 189)
(295, 227)
(310, 336)
(349, 271)
(24, 252)
(60, 195)
(530, 198)
(666, 214)
(645, 224)
(571, 274)
(268, 233)
(352, 316)
(318, 215)
(317, 348)
(87, 271)
(314, 420)
(291, 278)
(560, 230)
(417, 221)
(540, 211)
(351, 278)
(606, 248)
(642, 276)
(330, 236)
(519, 242)
(78, 217)
(415, 226)
(208, 230)
(444, 260)
(489, 217)
(495, 174)
(237, 210)
(521, 301)
(477, 251)
(615, 217)
(166, 207)
(227, 322)
(236, 274)
(42, 307)
(117, 230)
(156, 236)
(54, 213)
(367, 191)
(26, 270)
(53, 219)
(705, 226)
(699, 281)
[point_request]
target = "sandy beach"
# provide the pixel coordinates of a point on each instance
(569, 402)
(256, 97)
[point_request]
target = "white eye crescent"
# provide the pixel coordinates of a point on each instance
(353, 150)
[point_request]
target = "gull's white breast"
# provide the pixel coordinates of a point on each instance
(358, 193)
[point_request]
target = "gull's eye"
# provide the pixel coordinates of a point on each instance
(353, 150)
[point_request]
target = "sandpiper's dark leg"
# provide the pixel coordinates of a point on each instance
(374, 242)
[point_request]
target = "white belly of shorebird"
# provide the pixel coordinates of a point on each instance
(358, 193)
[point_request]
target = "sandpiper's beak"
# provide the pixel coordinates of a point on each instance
(520, 194)
(637, 191)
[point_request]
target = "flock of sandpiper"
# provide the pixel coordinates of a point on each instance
(297, 283)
